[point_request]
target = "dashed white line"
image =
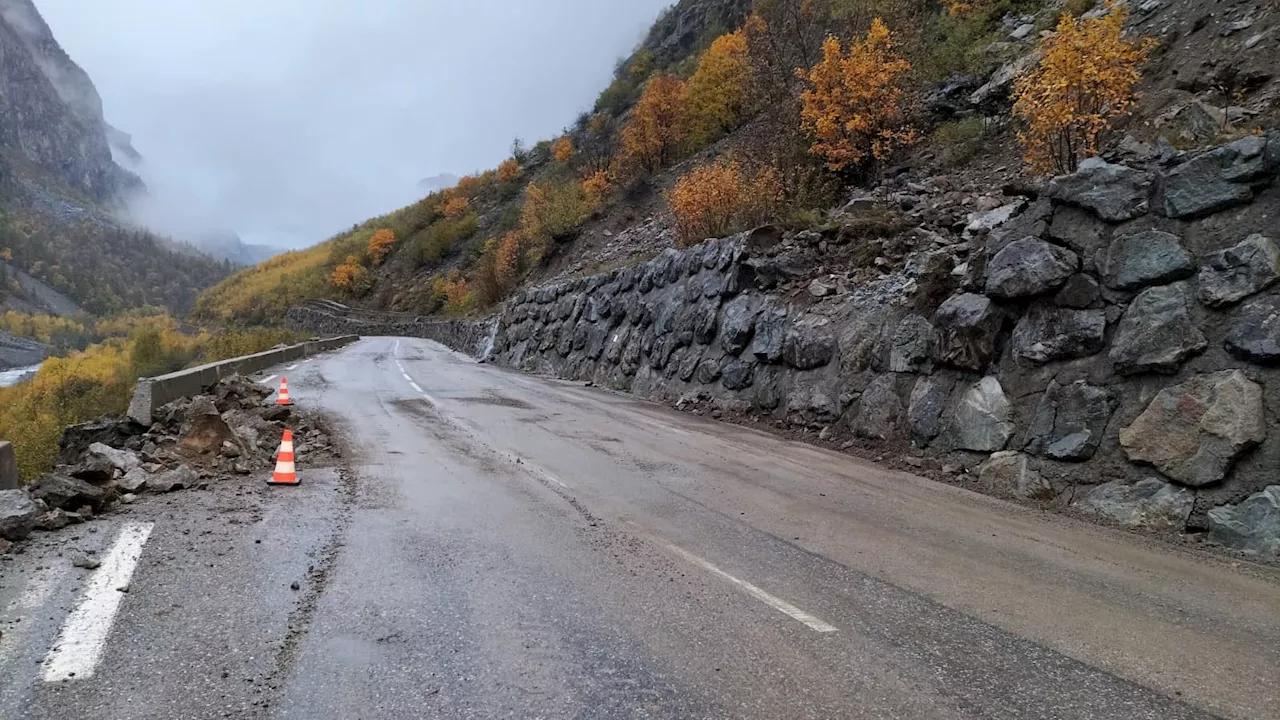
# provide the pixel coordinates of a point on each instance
(781, 606)
(415, 386)
(84, 634)
(292, 367)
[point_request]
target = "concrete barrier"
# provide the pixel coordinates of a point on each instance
(154, 393)
(8, 467)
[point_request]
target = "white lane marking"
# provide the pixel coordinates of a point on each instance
(396, 349)
(415, 386)
(292, 367)
(267, 379)
(781, 606)
(84, 634)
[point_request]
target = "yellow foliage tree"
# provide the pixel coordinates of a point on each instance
(655, 131)
(509, 170)
(717, 199)
(6, 254)
(350, 276)
(597, 187)
(562, 150)
(454, 290)
(1083, 82)
(718, 89)
(856, 106)
(456, 207)
(507, 264)
(380, 244)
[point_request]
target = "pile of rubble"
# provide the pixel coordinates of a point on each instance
(229, 432)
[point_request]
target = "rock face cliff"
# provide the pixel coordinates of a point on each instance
(53, 123)
(1109, 345)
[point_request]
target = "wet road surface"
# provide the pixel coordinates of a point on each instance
(508, 546)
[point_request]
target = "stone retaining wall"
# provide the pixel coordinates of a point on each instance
(473, 338)
(1111, 346)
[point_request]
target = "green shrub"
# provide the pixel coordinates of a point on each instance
(960, 140)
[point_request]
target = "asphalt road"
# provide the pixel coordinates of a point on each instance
(504, 546)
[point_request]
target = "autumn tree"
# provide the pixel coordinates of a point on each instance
(598, 188)
(497, 270)
(596, 144)
(455, 291)
(380, 244)
(1083, 82)
(856, 107)
(351, 277)
(655, 131)
(562, 150)
(456, 207)
(553, 211)
(720, 198)
(717, 91)
(509, 170)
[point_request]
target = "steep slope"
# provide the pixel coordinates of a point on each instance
(59, 185)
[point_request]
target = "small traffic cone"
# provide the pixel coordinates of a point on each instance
(286, 473)
(283, 398)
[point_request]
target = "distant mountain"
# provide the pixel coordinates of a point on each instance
(60, 189)
(438, 182)
(229, 246)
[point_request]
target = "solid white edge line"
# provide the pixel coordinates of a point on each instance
(267, 379)
(781, 606)
(415, 386)
(84, 634)
(292, 367)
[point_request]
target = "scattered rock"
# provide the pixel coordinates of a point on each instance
(1069, 421)
(204, 431)
(86, 561)
(985, 221)
(277, 413)
(1146, 258)
(1252, 526)
(56, 519)
(1008, 473)
(997, 87)
(1048, 334)
(122, 460)
(1195, 431)
(1149, 504)
(182, 477)
(62, 491)
(1255, 334)
(133, 481)
(1114, 193)
(738, 374)
(820, 289)
(18, 514)
(1229, 276)
(97, 470)
(1157, 332)
(1029, 267)
(966, 328)
(983, 420)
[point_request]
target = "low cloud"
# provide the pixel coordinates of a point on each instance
(285, 121)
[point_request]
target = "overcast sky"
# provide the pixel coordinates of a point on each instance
(287, 120)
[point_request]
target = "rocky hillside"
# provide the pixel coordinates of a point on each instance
(59, 186)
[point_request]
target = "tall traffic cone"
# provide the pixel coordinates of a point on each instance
(283, 398)
(286, 473)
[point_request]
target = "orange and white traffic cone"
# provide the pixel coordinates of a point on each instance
(286, 473)
(283, 398)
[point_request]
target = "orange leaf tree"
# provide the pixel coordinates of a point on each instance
(717, 91)
(562, 150)
(1083, 82)
(454, 290)
(597, 187)
(509, 170)
(856, 107)
(380, 244)
(717, 199)
(655, 132)
(350, 276)
(456, 207)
